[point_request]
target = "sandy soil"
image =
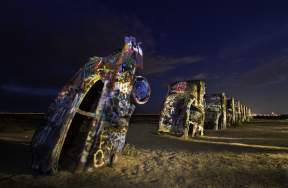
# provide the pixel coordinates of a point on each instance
(253, 155)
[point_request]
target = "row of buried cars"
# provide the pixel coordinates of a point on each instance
(87, 123)
(188, 111)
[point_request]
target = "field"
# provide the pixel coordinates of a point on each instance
(252, 155)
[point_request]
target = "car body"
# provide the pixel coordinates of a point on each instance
(215, 111)
(230, 111)
(183, 109)
(88, 121)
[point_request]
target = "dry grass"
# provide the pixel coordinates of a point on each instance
(130, 150)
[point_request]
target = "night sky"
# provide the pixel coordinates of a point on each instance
(240, 48)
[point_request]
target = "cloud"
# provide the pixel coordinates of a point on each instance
(200, 76)
(162, 64)
(273, 72)
(243, 47)
(26, 90)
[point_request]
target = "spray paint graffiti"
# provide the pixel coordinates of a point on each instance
(183, 109)
(88, 121)
(215, 111)
(230, 110)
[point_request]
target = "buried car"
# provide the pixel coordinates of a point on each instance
(230, 112)
(183, 109)
(238, 115)
(88, 121)
(215, 111)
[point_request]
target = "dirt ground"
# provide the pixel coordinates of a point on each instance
(252, 155)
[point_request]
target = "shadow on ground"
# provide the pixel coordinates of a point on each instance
(254, 137)
(15, 157)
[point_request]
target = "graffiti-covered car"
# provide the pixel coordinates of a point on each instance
(238, 115)
(183, 109)
(243, 112)
(215, 111)
(249, 114)
(88, 121)
(230, 112)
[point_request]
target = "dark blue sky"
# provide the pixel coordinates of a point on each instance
(240, 48)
